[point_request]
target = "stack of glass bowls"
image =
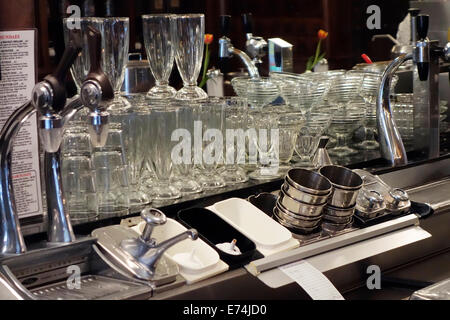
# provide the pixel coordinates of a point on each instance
(305, 91)
(258, 91)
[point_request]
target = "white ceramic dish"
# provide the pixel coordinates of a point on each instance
(253, 223)
(208, 259)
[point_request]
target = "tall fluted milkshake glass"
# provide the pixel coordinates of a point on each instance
(188, 32)
(160, 52)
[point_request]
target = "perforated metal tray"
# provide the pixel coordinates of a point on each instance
(93, 287)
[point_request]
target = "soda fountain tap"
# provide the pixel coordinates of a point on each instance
(97, 91)
(227, 50)
(256, 46)
(49, 98)
(425, 57)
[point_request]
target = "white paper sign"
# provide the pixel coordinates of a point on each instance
(314, 282)
(18, 70)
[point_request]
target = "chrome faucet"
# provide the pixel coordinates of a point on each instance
(227, 50)
(49, 98)
(144, 248)
(426, 64)
(256, 46)
(391, 144)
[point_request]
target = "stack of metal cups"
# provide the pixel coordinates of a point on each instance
(302, 199)
(339, 211)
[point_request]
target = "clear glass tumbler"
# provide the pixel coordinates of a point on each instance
(212, 120)
(112, 183)
(79, 187)
(135, 132)
(160, 52)
(235, 125)
(182, 155)
(162, 124)
(188, 32)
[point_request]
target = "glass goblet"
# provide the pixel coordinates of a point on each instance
(188, 32)
(160, 52)
(115, 44)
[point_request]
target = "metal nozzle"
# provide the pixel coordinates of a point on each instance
(98, 127)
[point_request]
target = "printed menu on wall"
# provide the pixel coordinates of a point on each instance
(17, 79)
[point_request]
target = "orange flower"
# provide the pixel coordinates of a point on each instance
(322, 34)
(208, 38)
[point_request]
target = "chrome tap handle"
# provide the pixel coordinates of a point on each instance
(422, 23)
(422, 47)
(413, 12)
(225, 21)
(247, 21)
(96, 91)
(152, 256)
(152, 217)
(49, 96)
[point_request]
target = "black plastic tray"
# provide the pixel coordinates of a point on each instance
(214, 230)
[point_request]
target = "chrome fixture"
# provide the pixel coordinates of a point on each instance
(49, 98)
(256, 46)
(140, 255)
(427, 55)
(391, 144)
(399, 48)
(227, 50)
(427, 66)
(96, 91)
(144, 248)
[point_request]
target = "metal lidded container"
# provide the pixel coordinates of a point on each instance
(138, 77)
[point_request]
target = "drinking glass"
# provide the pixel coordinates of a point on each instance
(188, 32)
(80, 68)
(314, 126)
(115, 44)
(289, 124)
(78, 179)
(258, 91)
(211, 117)
(263, 137)
(76, 142)
(161, 125)
(112, 183)
(235, 124)
(160, 52)
(135, 132)
(344, 123)
(182, 157)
